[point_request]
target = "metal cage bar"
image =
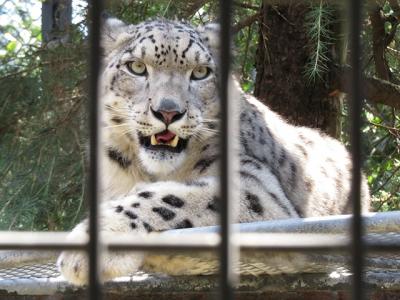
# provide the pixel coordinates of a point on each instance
(197, 242)
(226, 247)
(358, 248)
(96, 7)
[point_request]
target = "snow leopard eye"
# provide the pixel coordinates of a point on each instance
(200, 72)
(137, 68)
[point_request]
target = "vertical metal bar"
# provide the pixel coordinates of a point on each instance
(226, 274)
(355, 15)
(96, 7)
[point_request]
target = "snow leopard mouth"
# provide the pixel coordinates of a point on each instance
(163, 141)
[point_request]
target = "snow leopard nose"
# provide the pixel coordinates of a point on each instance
(167, 117)
(168, 111)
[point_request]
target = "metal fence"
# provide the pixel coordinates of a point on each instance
(357, 247)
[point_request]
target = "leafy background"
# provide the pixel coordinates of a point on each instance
(43, 129)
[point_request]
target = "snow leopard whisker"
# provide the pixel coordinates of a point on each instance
(113, 115)
(206, 124)
(120, 114)
(199, 138)
(206, 134)
(127, 131)
(209, 131)
(116, 125)
(118, 111)
(202, 136)
(112, 109)
(209, 122)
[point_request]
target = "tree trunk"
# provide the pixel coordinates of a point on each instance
(280, 64)
(56, 20)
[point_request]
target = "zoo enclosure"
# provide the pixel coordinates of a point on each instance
(358, 246)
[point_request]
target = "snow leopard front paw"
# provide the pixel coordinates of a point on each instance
(73, 265)
(150, 208)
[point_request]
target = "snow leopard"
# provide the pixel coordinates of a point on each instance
(160, 145)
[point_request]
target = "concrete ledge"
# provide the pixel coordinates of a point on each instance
(150, 286)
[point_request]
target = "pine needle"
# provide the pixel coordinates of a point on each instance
(318, 21)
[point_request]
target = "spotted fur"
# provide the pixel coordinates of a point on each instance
(285, 171)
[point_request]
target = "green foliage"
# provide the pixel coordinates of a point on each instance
(42, 130)
(382, 124)
(383, 161)
(246, 43)
(133, 11)
(246, 47)
(18, 38)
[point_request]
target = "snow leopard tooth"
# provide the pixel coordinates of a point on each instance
(153, 140)
(174, 142)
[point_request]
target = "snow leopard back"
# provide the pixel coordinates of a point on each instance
(313, 169)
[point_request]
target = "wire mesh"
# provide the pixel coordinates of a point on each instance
(48, 270)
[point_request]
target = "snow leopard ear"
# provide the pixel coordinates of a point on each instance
(114, 33)
(209, 33)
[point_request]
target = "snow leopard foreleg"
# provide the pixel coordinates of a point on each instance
(159, 206)
(149, 208)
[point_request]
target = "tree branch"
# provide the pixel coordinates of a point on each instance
(375, 89)
(379, 44)
(382, 91)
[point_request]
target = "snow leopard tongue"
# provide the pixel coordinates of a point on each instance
(165, 137)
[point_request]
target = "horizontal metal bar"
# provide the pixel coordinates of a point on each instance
(28, 240)
(382, 222)
(198, 242)
(210, 241)
(164, 242)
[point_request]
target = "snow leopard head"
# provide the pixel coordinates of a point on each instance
(159, 90)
